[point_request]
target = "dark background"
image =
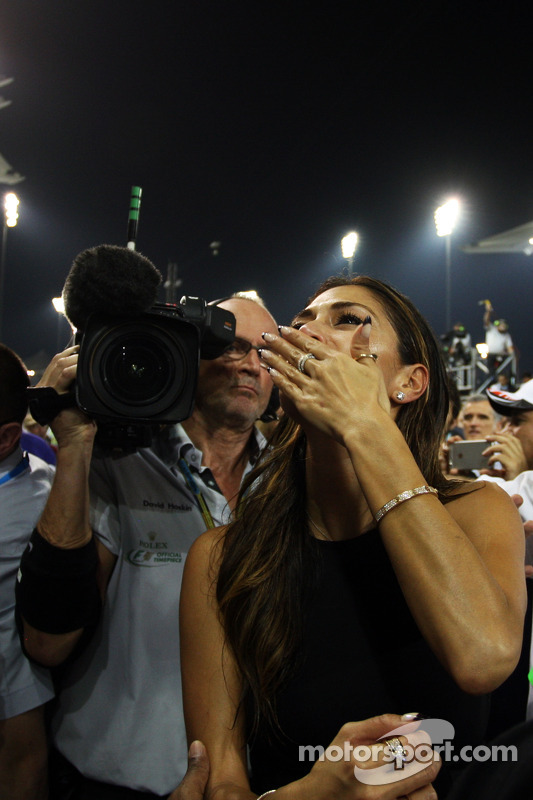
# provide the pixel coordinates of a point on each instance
(274, 128)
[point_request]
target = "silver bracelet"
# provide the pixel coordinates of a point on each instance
(270, 791)
(401, 498)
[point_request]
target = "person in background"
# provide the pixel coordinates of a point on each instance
(460, 350)
(25, 688)
(126, 526)
(498, 340)
(512, 443)
(477, 417)
(502, 383)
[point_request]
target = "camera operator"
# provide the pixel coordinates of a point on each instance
(498, 340)
(113, 537)
(459, 345)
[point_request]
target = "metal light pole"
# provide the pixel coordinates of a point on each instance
(349, 246)
(445, 221)
(59, 306)
(9, 220)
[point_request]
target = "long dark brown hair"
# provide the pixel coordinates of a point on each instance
(267, 550)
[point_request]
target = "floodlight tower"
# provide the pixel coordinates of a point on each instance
(9, 220)
(349, 246)
(445, 220)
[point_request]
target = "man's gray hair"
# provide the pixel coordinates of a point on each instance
(480, 398)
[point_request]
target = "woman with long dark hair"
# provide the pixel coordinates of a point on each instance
(356, 579)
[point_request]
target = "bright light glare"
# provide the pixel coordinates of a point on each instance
(58, 304)
(482, 349)
(446, 217)
(11, 203)
(250, 294)
(348, 244)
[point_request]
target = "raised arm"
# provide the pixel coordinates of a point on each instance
(63, 571)
(486, 314)
(460, 565)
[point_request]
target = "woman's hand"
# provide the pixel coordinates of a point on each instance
(332, 390)
(359, 764)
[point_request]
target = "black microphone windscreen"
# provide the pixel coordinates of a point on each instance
(109, 281)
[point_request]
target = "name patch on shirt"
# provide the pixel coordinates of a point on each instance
(160, 505)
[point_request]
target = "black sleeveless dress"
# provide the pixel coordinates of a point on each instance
(362, 655)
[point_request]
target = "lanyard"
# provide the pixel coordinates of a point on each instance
(23, 464)
(193, 486)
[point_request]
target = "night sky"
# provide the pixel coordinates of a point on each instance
(274, 128)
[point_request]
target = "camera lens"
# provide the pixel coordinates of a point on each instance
(137, 369)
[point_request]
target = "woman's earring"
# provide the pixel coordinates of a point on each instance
(400, 396)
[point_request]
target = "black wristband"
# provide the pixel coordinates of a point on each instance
(56, 589)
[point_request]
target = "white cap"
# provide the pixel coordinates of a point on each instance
(509, 402)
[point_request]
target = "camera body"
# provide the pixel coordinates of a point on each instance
(138, 372)
(145, 369)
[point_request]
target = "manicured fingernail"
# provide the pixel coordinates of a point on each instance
(367, 321)
(412, 716)
(264, 353)
(269, 337)
(283, 329)
(365, 330)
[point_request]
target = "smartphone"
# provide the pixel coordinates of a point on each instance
(467, 454)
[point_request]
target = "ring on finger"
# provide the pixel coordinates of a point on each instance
(303, 360)
(373, 356)
(396, 748)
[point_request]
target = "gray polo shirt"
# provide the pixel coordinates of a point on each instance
(120, 718)
(23, 686)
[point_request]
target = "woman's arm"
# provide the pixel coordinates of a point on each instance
(211, 688)
(211, 684)
(460, 566)
(461, 570)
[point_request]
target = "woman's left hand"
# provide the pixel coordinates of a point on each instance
(332, 390)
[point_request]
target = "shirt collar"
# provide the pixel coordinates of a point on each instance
(10, 461)
(173, 444)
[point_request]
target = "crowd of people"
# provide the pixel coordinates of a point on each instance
(180, 621)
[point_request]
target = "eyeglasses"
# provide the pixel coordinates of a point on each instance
(239, 349)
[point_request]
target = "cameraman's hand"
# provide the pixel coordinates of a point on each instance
(193, 784)
(61, 370)
(70, 426)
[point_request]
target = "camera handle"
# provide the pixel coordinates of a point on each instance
(45, 403)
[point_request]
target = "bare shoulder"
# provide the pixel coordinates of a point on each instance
(204, 555)
(476, 494)
(485, 506)
(208, 543)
